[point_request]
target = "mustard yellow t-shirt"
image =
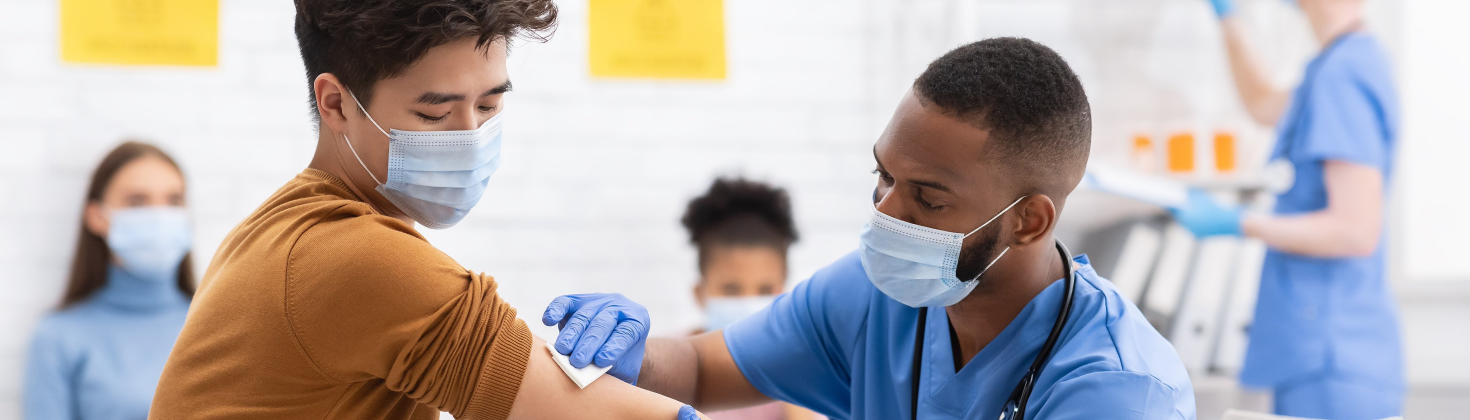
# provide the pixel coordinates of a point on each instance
(318, 307)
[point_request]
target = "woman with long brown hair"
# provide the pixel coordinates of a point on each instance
(100, 355)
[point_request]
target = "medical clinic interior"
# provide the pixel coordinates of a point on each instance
(734, 209)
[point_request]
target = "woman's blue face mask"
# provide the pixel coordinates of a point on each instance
(149, 242)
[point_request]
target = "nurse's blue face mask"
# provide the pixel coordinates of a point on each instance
(436, 177)
(915, 265)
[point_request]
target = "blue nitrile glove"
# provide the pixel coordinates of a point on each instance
(687, 413)
(1223, 8)
(600, 328)
(1204, 217)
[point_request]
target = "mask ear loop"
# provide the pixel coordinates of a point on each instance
(349, 141)
(359, 160)
(997, 216)
(370, 116)
(987, 223)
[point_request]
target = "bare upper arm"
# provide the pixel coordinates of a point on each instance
(547, 393)
(1355, 201)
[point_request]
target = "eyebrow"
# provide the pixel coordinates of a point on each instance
(922, 183)
(436, 98)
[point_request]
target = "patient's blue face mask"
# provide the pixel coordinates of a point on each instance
(915, 265)
(149, 242)
(436, 177)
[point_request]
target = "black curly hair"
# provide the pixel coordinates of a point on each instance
(739, 212)
(1029, 99)
(364, 41)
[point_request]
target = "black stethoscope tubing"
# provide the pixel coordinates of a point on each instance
(1015, 405)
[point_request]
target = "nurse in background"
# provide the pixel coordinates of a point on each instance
(100, 355)
(1325, 338)
(742, 230)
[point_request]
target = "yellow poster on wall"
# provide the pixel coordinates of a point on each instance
(660, 39)
(146, 32)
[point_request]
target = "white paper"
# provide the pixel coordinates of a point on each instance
(582, 377)
(1154, 190)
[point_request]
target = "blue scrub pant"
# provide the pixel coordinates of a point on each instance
(1335, 397)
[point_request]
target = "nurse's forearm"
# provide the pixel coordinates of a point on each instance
(698, 371)
(1349, 226)
(1263, 100)
(1309, 234)
(670, 367)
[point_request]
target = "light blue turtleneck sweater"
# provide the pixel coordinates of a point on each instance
(101, 358)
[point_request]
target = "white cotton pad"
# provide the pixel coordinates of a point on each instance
(582, 377)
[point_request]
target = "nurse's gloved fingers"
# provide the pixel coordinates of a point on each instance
(594, 337)
(687, 413)
(623, 337)
(557, 310)
(571, 331)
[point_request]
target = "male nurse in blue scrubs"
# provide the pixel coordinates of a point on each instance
(973, 169)
(1325, 338)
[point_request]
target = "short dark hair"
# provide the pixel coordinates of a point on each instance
(364, 41)
(1027, 97)
(739, 212)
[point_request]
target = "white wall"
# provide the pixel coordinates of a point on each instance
(595, 176)
(596, 172)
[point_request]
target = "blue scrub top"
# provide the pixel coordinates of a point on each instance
(839, 346)
(1317, 316)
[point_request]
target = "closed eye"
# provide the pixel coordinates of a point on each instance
(883, 176)
(431, 119)
(919, 196)
(487, 108)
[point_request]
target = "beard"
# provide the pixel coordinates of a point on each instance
(974, 257)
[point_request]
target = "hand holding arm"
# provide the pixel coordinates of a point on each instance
(603, 329)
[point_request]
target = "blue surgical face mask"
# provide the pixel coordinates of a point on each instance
(149, 242)
(720, 312)
(915, 265)
(436, 177)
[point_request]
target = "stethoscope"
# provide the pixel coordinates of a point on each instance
(1015, 406)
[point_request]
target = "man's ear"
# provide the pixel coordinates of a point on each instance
(1038, 215)
(331, 97)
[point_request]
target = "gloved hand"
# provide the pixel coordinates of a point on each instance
(687, 413)
(1223, 8)
(601, 328)
(1204, 217)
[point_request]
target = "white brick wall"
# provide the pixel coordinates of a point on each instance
(596, 172)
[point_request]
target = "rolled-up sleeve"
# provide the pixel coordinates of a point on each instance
(387, 305)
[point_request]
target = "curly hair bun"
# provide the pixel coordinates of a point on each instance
(736, 211)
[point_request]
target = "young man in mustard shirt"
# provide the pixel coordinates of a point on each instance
(326, 303)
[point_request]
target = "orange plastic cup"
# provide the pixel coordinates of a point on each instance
(1181, 152)
(1224, 151)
